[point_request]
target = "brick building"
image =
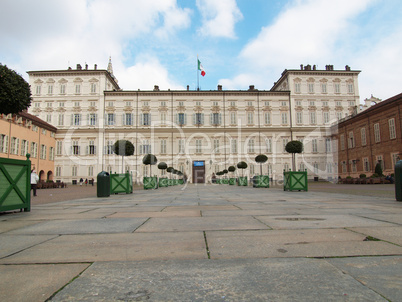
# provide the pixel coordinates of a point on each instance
(370, 137)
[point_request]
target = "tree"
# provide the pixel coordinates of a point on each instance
(123, 148)
(162, 166)
(378, 169)
(294, 147)
(242, 165)
(261, 159)
(15, 92)
(149, 159)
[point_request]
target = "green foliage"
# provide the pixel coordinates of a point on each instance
(362, 175)
(220, 173)
(15, 93)
(225, 171)
(170, 169)
(242, 165)
(162, 166)
(232, 169)
(261, 158)
(375, 175)
(123, 148)
(294, 147)
(378, 169)
(149, 159)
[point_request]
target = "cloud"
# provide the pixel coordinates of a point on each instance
(219, 17)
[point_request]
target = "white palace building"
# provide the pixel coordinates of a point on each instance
(193, 128)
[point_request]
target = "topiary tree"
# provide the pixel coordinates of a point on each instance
(15, 92)
(149, 159)
(232, 169)
(242, 165)
(162, 166)
(294, 147)
(123, 148)
(378, 169)
(261, 159)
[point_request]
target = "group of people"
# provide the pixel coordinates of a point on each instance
(86, 181)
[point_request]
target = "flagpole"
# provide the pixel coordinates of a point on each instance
(198, 76)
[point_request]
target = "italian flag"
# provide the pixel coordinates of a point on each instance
(201, 68)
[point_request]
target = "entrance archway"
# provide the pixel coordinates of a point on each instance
(49, 175)
(199, 172)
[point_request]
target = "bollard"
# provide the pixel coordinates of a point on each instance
(398, 181)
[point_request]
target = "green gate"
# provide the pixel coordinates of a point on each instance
(15, 184)
(121, 183)
(295, 180)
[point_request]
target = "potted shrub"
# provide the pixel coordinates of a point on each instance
(170, 181)
(123, 148)
(242, 180)
(225, 181)
(232, 180)
(150, 182)
(219, 180)
(163, 181)
(294, 180)
(261, 181)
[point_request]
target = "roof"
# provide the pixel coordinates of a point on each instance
(37, 121)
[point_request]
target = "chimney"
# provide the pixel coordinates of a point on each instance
(156, 88)
(188, 87)
(251, 88)
(301, 66)
(96, 67)
(219, 87)
(79, 67)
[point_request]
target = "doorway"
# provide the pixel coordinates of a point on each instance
(199, 172)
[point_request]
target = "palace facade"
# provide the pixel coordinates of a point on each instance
(188, 128)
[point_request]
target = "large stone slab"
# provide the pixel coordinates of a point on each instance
(186, 224)
(16, 243)
(201, 208)
(390, 234)
(381, 274)
(292, 243)
(35, 282)
(115, 247)
(91, 226)
(206, 280)
(183, 213)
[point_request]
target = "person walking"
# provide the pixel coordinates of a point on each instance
(34, 181)
(81, 181)
(86, 181)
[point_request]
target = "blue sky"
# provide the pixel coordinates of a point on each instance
(240, 43)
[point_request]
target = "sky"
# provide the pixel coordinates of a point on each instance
(239, 42)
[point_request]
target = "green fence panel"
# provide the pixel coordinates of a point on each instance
(150, 183)
(15, 184)
(121, 183)
(242, 181)
(232, 181)
(295, 181)
(262, 181)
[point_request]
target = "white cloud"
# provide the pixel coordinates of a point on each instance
(219, 17)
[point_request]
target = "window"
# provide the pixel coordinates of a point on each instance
(326, 117)
(181, 119)
(350, 88)
(299, 117)
(329, 167)
(314, 145)
(145, 148)
(363, 136)
(51, 153)
(297, 87)
(377, 137)
(198, 146)
(62, 89)
(312, 103)
(38, 89)
(24, 147)
(325, 103)
(266, 103)
(50, 89)
(339, 115)
(145, 104)
(75, 149)
(315, 165)
(284, 118)
(128, 104)
(181, 146)
(37, 105)
(49, 105)
(74, 171)
(286, 167)
(111, 119)
(298, 103)
(284, 103)
(391, 125)
(58, 171)
(324, 88)
(344, 167)
(216, 146)
(181, 104)
(59, 147)
(351, 140)
(313, 117)
(337, 88)
(146, 119)
(366, 165)
(250, 118)
(394, 159)
(250, 104)
(311, 87)
(93, 119)
(233, 103)
(215, 103)
(109, 147)
(267, 118)
(250, 146)
(93, 87)
(42, 152)
(163, 146)
(77, 88)
(302, 167)
(342, 141)
(60, 120)
(61, 104)
(233, 144)
(216, 118)
(268, 145)
(351, 103)
(76, 119)
(328, 145)
(48, 118)
(14, 147)
(233, 118)
(163, 103)
(110, 104)
(90, 171)
(284, 143)
(128, 119)
(91, 148)
(252, 169)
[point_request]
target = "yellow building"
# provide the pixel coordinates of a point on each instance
(24, 133)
